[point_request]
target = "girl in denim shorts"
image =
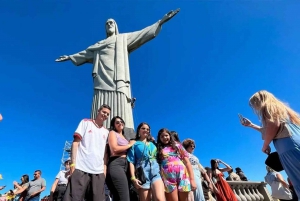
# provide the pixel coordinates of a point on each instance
(143, 153)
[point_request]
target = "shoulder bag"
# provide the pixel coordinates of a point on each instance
(283, 131)
(274, 162)
(139, 172)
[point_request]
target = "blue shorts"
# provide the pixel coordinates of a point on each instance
(151, 171)
(35, 198)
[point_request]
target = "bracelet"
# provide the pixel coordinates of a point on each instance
(132, 178)
(72, 165)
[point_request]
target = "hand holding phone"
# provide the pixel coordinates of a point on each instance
(241, 118)
(244, 121)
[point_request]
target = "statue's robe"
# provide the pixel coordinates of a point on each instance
(111, 71)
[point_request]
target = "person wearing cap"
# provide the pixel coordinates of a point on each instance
(59, 186)
(232, 176)
(241, 174)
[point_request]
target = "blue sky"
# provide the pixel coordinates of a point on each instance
(193, 78)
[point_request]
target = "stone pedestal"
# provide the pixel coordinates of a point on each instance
(129, 133)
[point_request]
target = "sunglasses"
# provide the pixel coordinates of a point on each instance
(119, 122)
(193, 146)
(145, 129)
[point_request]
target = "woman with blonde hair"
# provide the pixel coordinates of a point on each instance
(273, 176)
(281, 125)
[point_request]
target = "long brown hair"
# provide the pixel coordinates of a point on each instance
(161, 145)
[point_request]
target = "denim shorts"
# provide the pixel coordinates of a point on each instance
(35, 198)
(151, 171)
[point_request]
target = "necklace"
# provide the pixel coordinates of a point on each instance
(97, 124)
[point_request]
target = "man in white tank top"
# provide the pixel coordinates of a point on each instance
(88, 159)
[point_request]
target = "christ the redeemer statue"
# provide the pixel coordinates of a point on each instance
(111, 67)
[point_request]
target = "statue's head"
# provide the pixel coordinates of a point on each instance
(111, 27)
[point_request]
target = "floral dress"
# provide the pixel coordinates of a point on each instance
(173, 171)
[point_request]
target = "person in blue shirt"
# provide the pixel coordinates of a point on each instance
(143, 153)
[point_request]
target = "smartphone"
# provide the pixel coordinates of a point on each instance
(241, 118)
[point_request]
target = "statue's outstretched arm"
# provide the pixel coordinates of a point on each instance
(85, 56)
(168, 16)
(62, 58)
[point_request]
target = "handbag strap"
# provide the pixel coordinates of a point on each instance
(142, 154)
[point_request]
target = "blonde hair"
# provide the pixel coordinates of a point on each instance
(269, 169)
(268, 107)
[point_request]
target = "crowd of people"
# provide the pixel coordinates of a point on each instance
(107, 165)
(141, 168)
(26, 189)
(165, 168)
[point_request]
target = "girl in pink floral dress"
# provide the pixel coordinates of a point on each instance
(175, 168)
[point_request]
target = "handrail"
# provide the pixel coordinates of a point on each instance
(250, 191)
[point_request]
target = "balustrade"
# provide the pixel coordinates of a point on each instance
(250, 191)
